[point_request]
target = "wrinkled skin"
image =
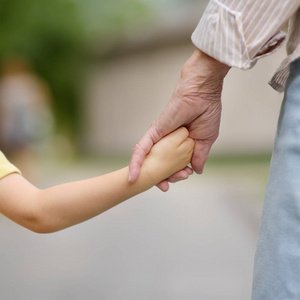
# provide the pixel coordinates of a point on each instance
(195, 104)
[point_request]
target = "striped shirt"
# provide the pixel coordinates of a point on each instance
(239, 32)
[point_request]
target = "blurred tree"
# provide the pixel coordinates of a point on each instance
(55, 35)
(104, 18)
(48, 34)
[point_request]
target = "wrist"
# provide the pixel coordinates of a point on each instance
(203, 76)
(203, 64)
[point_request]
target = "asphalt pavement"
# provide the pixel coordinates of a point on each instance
(196, 241)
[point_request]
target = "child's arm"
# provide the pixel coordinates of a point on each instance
(65, 205)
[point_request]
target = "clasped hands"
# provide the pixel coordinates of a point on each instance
(196, 105)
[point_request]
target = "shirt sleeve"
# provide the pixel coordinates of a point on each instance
(238, 33)
(6, 167)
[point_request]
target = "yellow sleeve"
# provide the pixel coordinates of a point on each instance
(6, 167)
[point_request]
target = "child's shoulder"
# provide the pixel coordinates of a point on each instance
(6, 167)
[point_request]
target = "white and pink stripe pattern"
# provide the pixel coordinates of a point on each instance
(239, 32)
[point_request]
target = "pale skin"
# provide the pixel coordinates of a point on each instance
(195, 104)
(61, 206)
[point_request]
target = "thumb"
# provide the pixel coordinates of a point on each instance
(140, 151)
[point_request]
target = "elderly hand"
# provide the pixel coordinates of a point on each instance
(195, 104)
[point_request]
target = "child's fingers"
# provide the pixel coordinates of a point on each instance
(179, 135)
(188, 144)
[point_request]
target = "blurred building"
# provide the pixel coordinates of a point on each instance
(127, 89)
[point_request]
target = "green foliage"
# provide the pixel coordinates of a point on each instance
(54, 35)
(48, 34)
(103, 18)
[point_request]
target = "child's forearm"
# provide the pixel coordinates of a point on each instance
(65, 205)
(71, 203)
(61, 206)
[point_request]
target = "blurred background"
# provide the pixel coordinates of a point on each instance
(80, 83)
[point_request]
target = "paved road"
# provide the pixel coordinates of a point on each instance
(195, 242)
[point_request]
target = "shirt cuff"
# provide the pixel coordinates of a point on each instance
(220, 35)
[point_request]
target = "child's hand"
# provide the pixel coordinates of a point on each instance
(171, 154)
